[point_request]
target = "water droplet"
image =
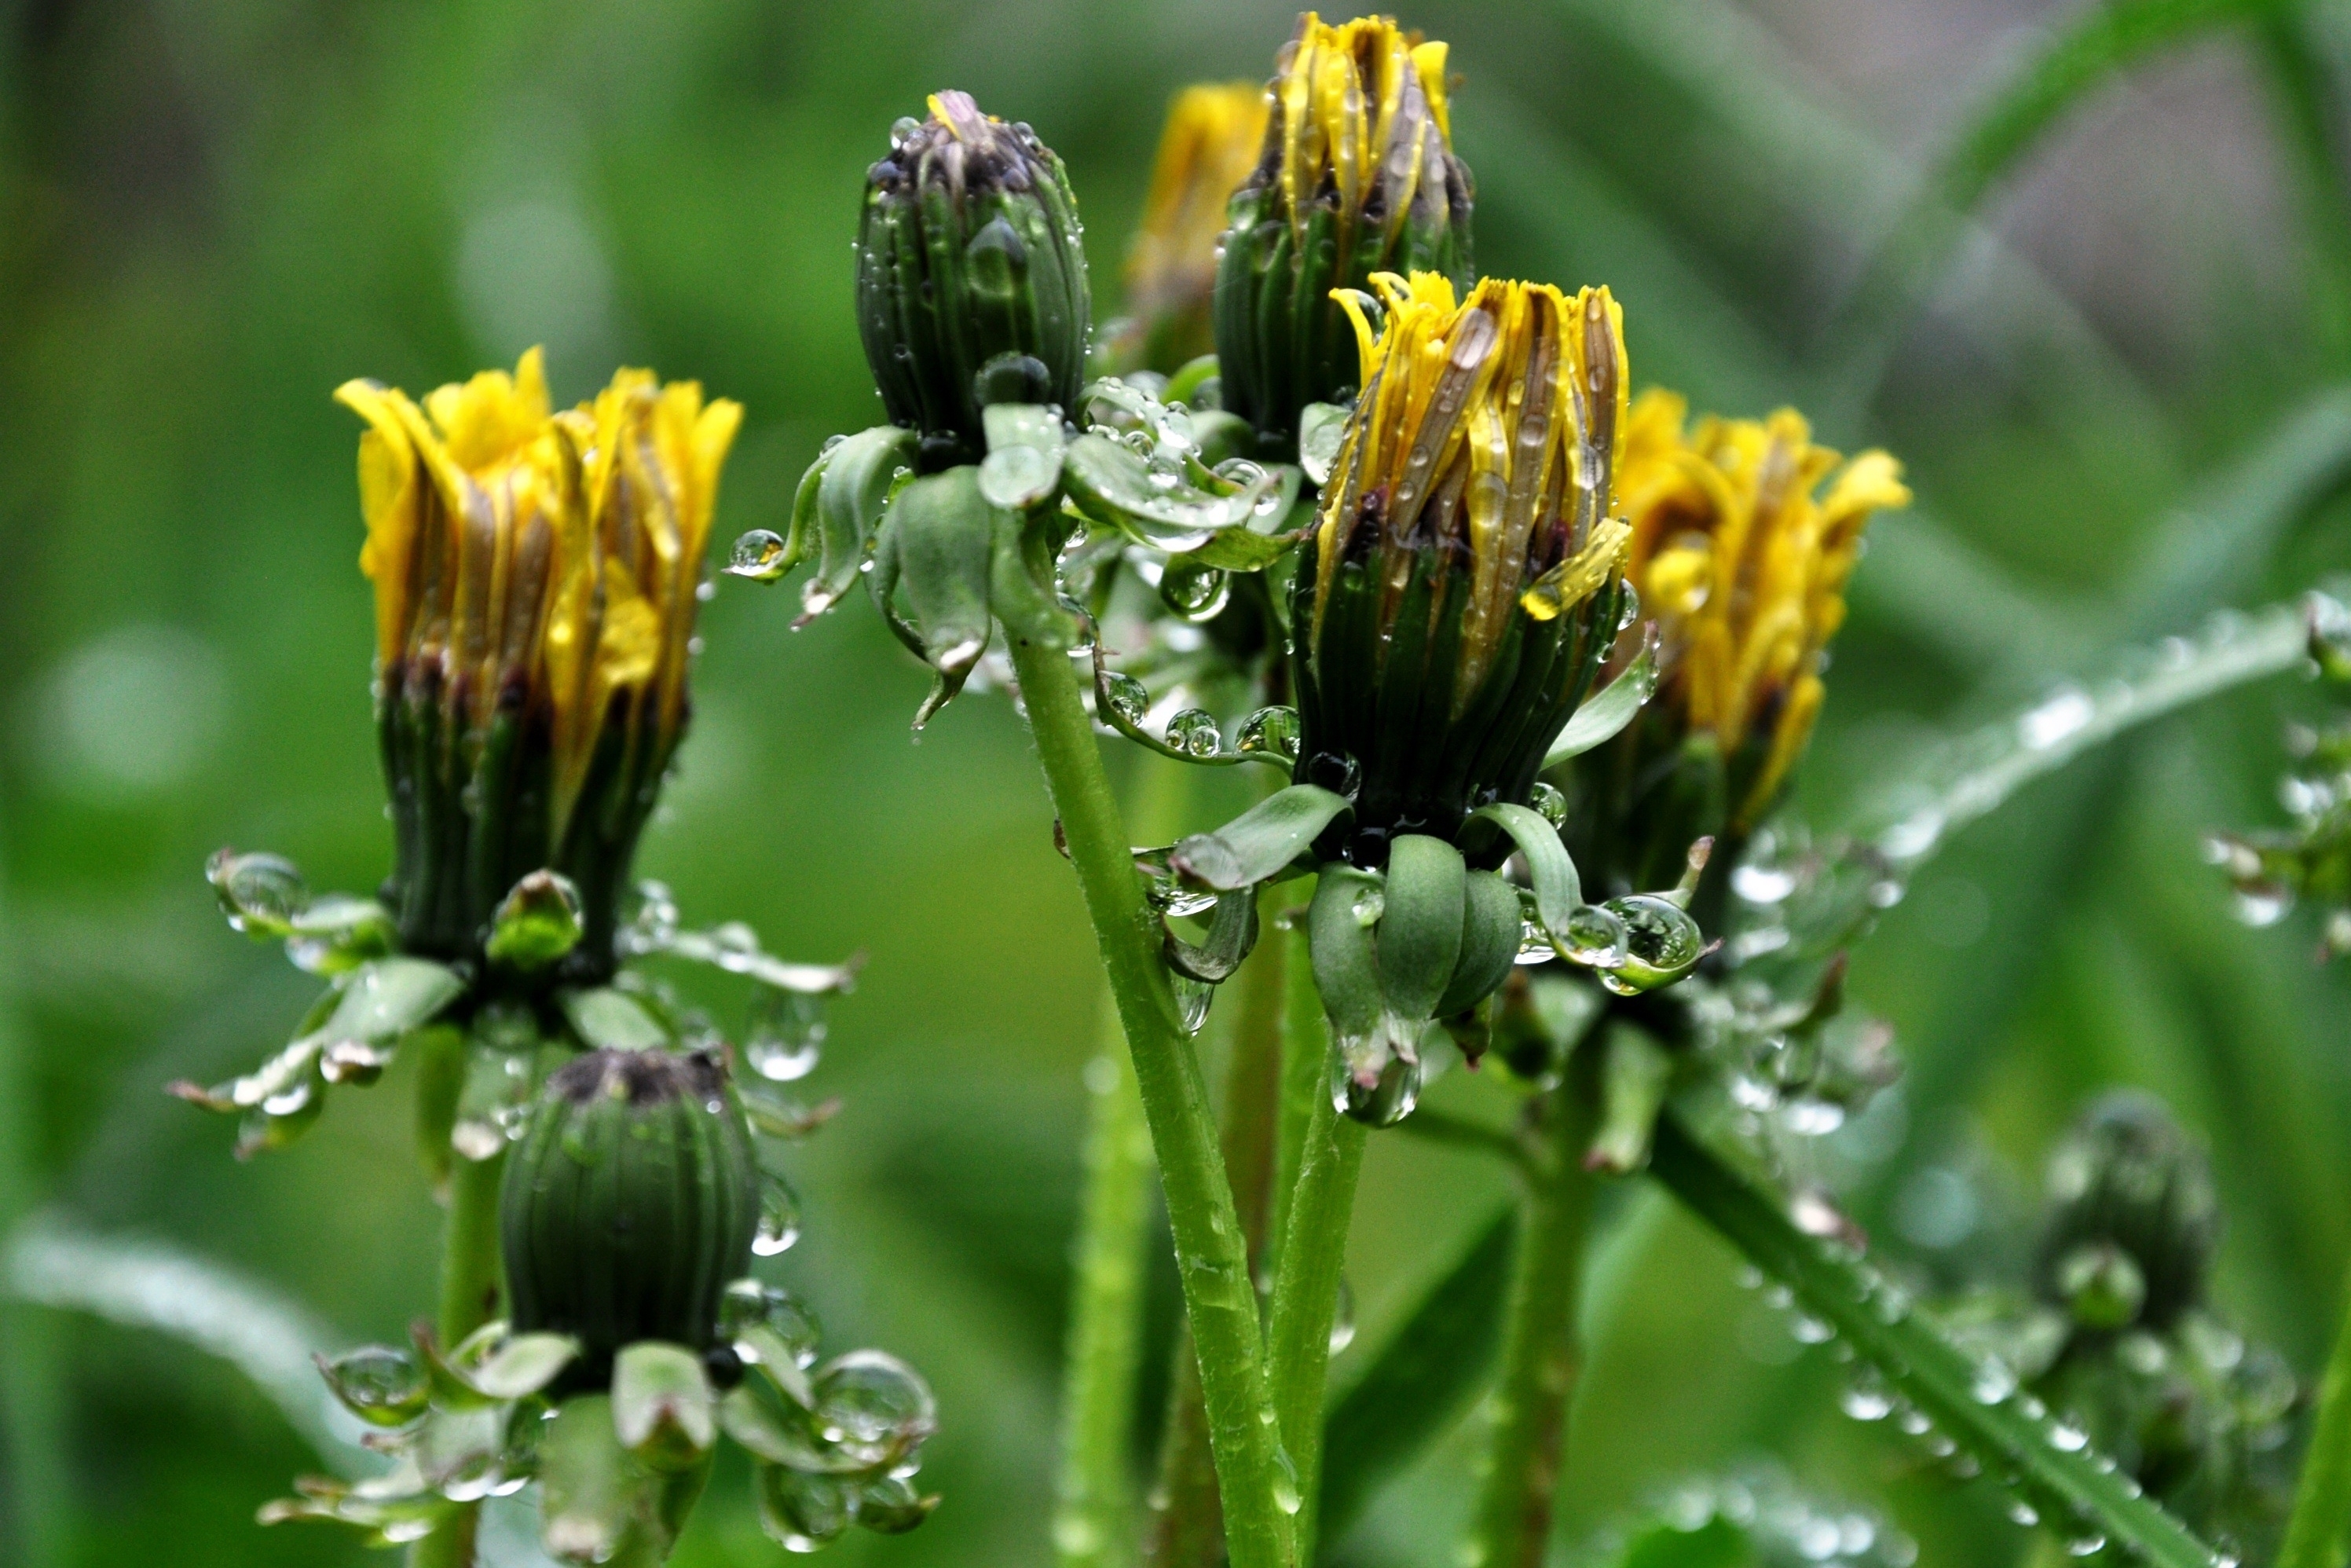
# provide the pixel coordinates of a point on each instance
(2068, 1439)
(1994, 1381)
(874, 1406)
(1285, 1482)
(1129, 699)
(1270, 731)
(779, 1216)
(786, 1029)
(1343, 1318)
(1018, 478)
(1193, 732)
(1809, 1329)
(2085, 1545)
(1595, 936)
(1548, 801)
(2024, 1513)
(758, 555)
(2063, 713)
(1866, 1401)
(1762, 884)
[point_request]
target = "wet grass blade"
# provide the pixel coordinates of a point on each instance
(1978, 1405)
(145, 1284)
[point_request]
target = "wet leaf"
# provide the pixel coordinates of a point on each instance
(662, 1405)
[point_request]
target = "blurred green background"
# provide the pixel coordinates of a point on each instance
(214, 211)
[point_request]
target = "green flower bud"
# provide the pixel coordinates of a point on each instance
(629, 1204)
(1357, 178)
(971, 279)
(2128, 1181)
(1461, 590)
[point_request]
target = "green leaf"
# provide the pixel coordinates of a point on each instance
(1410, 1392)
(1260, 842)
(1023, 465)
(1607, 712)
(1110, 484)
(1978, 1405)
(609, 1020)
(382, 1000)
(337, 933)
(662, 1405)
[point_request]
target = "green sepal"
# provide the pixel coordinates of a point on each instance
(1607, 712)
(1111, 485)
(606, 1019)
(1232, 933)
(337, 933)
(662, 1406)
(854, 483)
(491, 1366)
(1419, 939)
(771, 1355)
(1346, 965)
(597, 1502)
(777, 1438)
(536, 924)
(1265, 536)
(1262, 841)
(945, 533)
(1491, 925)
(1023, 465)
(1558, 891)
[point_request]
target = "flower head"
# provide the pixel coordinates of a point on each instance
(1211, 142)
(1461, 586)
(1743, 562)
(537, 577)
(971, 279)
(1357, 177)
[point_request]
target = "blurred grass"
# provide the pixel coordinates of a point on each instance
(212, 213)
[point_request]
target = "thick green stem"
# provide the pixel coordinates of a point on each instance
(470, 1271)
(1305, 1076)
(1541, 1353)
(2321, 1523)
(1185, 1530)
(470, 1278)
(1211, 1254)
(1306, 1299)
(1093, 1523)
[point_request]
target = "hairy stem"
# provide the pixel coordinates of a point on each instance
(1976, 1405)
(1094, 1524)
(1185, 1530)
(1306, 1299)
(2316, 1531)
(1211, 1254)
(1542, 1357)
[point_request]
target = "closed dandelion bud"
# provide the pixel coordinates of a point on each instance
(536, 578)
(1741, 556)
(1461, 586)
(1211, 143)
(2133, 1220)
(629, 1204)
(971, 279)
(1357, 177)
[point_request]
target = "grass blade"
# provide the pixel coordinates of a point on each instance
(2050, 1466)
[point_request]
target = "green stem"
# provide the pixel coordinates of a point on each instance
(470, 1272)
(1541, 1353)
(1186, 1529)
(1305, 1077)
(1211, 1254)
(2316, 1531)
(2075, 1491)
(1306, 1299)
(1094, 1524)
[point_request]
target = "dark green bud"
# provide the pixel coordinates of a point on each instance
(1357, 178)
(629, 1204)
(971, 279)
(2128, 1186)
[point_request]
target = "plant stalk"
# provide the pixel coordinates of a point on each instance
(2318, 1529)
(1093, 1522)
(1211, 1254)
(1306, 1300)
(470, 1270)
(1541, 1353)
(1184, 1529)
